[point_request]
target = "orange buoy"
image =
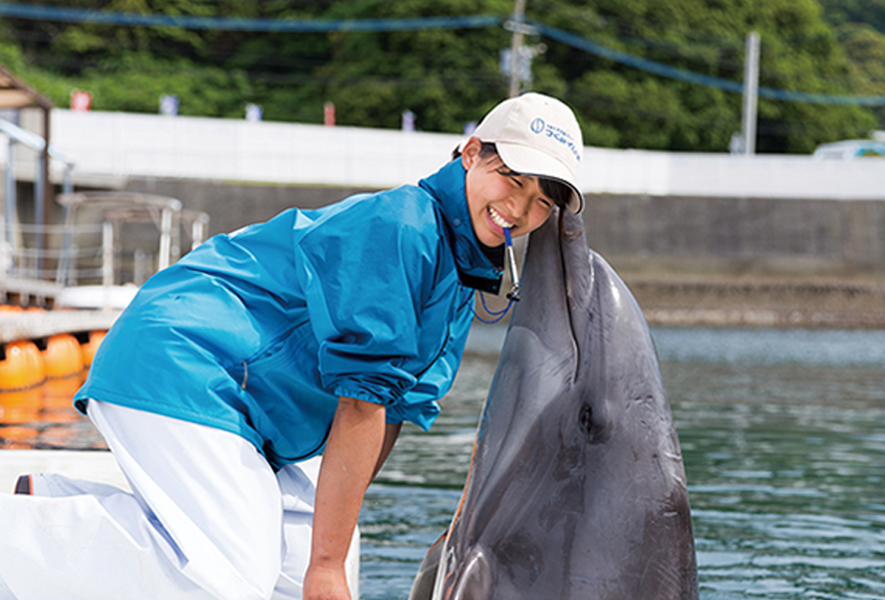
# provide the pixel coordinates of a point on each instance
(21, 366)
(19, 415)
(58, 400)
(10, 308)
(63, 356)
(22, 407)
(19, 437)
(90, 346)
(58, 418)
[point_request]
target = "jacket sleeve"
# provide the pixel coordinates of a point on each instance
(365, 273)
(420, 406)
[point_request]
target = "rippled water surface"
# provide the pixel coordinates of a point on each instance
(782, 432)
(783, 436)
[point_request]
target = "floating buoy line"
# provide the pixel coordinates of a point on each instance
(29, 363)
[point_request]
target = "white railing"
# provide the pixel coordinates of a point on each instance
(26, 260)
(103, 242)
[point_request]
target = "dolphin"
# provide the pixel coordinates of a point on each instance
(576, 488)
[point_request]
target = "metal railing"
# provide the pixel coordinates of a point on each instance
(107, 238)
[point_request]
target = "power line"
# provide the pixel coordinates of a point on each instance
(99, 17)
(727, 85)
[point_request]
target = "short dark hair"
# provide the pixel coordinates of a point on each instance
(554, 189)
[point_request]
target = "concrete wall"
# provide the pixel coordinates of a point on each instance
(637, 233)
(231, 206)
(769, 234)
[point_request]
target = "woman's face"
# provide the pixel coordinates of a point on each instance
(499, 199)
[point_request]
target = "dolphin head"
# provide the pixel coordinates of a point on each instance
(576, 488)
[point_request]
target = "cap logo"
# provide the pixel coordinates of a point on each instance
(539, 126)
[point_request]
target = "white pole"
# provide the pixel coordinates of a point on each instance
(751, 92)
(165, 239)
(198, 232)
(10, 195)
(516, 47)
(40, 186)
(107, 254)
(107, 263)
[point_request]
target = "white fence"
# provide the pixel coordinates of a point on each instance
(116, 146)
(760, 176)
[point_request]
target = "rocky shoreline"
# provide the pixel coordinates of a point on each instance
(696, 300)
(760, 301)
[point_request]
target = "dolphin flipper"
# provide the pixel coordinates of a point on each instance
(422, 589)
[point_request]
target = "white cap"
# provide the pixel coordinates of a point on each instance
(537, 135)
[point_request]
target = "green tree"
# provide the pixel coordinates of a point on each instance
(865, 47)
(870, 12)
(626, 107)
(446, 77)
(451, 76)
(130, 68)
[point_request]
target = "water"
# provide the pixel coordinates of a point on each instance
(782, 432)
(783, 437)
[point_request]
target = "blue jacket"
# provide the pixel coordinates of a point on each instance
(260, 331)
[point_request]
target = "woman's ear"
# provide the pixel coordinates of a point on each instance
(470, 152)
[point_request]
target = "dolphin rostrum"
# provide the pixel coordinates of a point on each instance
(576, 489)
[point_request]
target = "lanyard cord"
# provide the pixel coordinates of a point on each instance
(512, 296)
(497, 314)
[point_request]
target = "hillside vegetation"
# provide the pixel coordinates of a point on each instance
(448, 77)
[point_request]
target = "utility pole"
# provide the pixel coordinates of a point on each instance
(516, 47)
(751, 93)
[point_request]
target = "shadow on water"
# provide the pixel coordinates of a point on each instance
(783, 437)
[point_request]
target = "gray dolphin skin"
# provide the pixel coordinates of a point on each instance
(576, 489)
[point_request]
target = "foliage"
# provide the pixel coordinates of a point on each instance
(870, 12)
(448, 77)
(626, 107)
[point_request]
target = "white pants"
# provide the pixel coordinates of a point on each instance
(207, 518)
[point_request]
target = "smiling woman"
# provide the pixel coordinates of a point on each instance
(500, 198)
(326, 348)
(519, 165)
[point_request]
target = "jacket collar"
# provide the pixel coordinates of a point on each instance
(475, 269)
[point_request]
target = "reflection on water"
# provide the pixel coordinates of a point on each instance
(803, 347)
(783, 435)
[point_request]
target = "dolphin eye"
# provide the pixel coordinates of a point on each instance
(596, 429)
(586, 418)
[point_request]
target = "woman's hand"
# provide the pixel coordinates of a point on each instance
(351, 457)
(325, 583)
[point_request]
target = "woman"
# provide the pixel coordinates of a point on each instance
(315, 332)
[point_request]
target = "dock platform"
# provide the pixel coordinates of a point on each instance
(28, 291)
(34, 325)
